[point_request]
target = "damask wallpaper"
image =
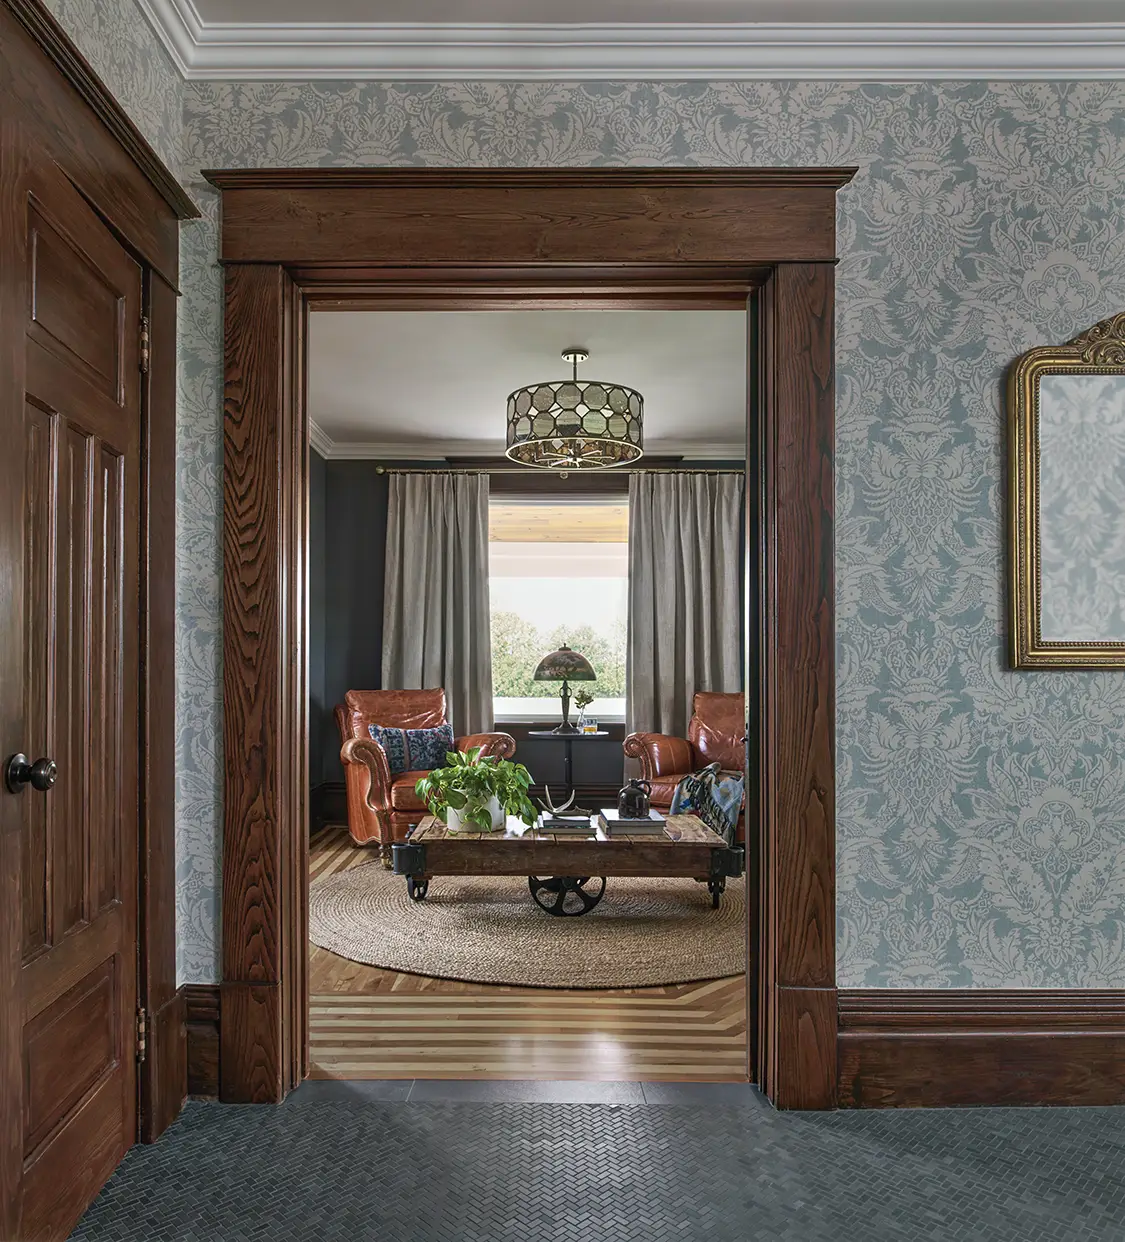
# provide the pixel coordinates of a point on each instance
(981, 812)
(125, 52)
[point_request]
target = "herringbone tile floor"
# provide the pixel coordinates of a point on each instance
(334, 1170)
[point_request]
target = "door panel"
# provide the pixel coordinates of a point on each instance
(77, 312)
(36, 602)
(70, 1045)
(104, 675)
(67, 838)
(80, 455)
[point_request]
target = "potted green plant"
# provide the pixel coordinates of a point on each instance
(476, 793)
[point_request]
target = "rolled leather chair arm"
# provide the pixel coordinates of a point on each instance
(364, 753)
(660, 754)
(501, 745)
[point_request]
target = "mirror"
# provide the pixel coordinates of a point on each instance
(1067, 494)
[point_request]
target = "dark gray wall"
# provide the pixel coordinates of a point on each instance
(318, 530)
(355, 552)
(347, 550)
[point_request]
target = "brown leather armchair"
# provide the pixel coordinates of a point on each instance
(382, 807)
(714, 735)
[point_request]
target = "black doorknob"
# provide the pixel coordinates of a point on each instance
(19, 771)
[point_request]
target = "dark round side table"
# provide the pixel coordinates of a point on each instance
(568, 753)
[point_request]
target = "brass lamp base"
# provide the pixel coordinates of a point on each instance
(566, 726)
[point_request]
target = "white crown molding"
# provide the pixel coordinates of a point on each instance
(320, 440)
(439, 450)
(180, 30)
(437, 52)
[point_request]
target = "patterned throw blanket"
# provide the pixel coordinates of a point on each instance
(714, 795)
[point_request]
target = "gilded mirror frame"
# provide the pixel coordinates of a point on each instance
(1098, 351)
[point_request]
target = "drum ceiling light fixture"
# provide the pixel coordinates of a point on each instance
(574, 424)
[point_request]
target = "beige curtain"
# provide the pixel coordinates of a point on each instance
(685, 594)
(435, 601)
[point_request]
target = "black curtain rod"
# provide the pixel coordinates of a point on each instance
(558, 474)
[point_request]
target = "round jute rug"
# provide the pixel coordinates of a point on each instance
(489, 930)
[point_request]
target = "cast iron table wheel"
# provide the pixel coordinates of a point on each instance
(717, 885)
(417, 888)
(566, 895)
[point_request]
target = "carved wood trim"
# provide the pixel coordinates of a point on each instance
(201, 1010)
(164, 1068)
(941, 1049)
(162, 1075)
(529, 179)
(265, 838)
(50, 36)
(303, 221)
(589, 217)
(795, 831)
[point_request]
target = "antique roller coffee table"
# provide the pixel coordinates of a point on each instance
(567, 872)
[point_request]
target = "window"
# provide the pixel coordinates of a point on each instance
(558, 573)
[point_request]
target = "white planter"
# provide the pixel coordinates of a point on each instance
(454, 824)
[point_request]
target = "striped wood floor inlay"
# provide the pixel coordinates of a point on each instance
(365, 1022)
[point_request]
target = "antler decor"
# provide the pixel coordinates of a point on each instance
(548, 805)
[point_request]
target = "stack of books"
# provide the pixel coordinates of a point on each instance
(576, 825)
(610, 821)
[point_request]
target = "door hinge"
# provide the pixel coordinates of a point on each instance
(142, 1033)
(146, 345)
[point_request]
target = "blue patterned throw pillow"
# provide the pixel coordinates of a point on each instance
(413, 750)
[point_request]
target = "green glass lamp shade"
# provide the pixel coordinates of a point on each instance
(564, 665)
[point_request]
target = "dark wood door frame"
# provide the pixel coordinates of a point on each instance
(294, 239)
(55, 111)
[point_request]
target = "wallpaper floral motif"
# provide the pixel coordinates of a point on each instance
(1082, 507)
(981, 813)
(125, 52)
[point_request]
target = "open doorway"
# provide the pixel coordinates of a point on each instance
(484, 978)
(410, 238)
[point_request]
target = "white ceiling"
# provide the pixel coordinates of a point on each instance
(440, 40)
(424, 384)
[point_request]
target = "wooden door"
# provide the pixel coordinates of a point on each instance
(70, 641)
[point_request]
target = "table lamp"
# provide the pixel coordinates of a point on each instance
(569, 666)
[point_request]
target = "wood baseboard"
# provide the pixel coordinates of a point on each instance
(943, 1049)
(201, 1023)
(896, 1049)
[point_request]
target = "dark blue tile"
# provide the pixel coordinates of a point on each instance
(525, 1091)
(317, 1090)
(704, 1094)
(344, 1169)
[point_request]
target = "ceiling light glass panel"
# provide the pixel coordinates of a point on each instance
(573, 424)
